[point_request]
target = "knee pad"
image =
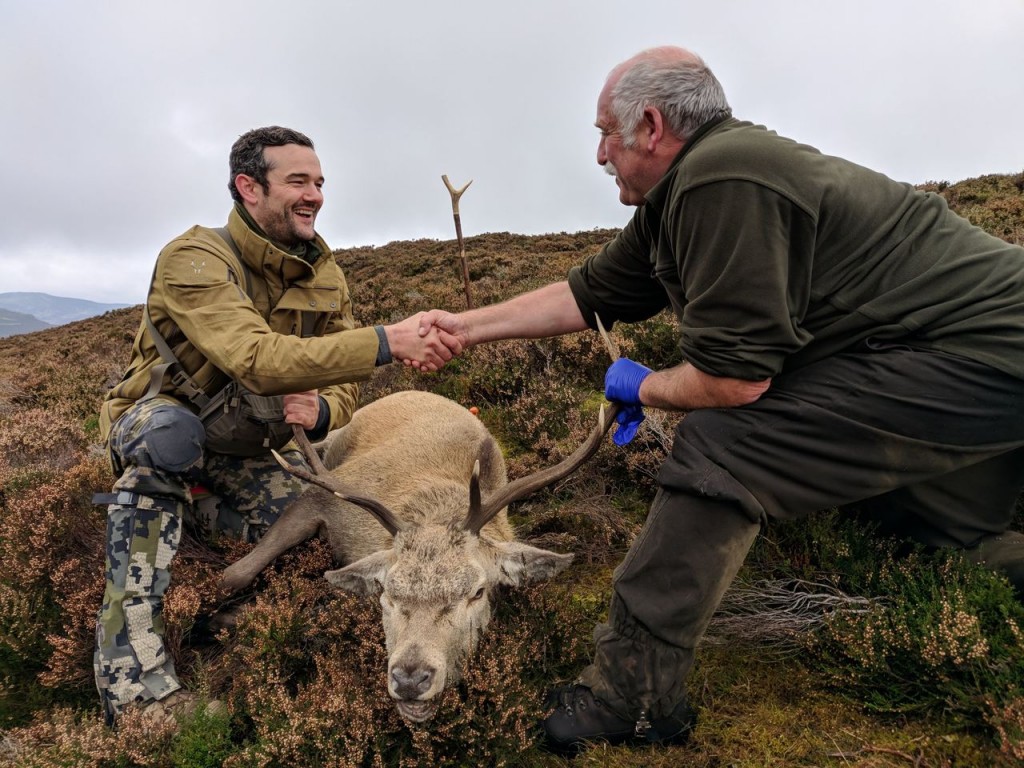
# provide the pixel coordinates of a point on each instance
(159, 435)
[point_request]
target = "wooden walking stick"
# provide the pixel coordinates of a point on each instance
(456, 194)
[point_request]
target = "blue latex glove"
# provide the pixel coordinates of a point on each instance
(629, 419)
(622, 385)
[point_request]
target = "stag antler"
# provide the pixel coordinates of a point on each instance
(609, 342)
(322, 477)
(482, 513)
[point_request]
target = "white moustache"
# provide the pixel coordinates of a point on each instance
(610, 170)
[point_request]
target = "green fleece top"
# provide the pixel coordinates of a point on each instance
(219, 333)
(773, 255)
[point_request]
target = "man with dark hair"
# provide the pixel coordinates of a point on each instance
(247, 331)
(247, 156)
(846, 339)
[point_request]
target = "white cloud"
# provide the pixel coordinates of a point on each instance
(118, 115)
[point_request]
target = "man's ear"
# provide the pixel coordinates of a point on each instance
(654, 126)
(248, 188)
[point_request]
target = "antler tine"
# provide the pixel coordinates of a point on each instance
(474, 492)
(308, 451)
(322, 477)
(524, 486)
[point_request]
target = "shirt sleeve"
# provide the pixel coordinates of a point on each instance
(744, 254)
(342, 399)
(222, 323)
(618, 281)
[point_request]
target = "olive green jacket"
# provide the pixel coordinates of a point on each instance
(218, 333)
(774, 255)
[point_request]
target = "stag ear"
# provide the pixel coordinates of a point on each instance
(363, 577)
(519, 563)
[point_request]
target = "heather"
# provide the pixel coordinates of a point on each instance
(833, 648)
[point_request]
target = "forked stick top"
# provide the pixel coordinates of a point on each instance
(455, 193)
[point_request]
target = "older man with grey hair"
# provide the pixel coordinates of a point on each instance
(846, 339)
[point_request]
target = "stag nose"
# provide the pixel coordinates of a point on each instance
(411, 680)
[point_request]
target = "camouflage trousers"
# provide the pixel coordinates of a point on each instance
(157, 447)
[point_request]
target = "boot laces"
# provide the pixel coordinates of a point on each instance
(575, 697)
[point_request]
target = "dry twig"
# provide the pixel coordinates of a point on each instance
(780, 613)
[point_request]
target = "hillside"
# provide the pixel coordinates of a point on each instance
(52, 310)
(828, 652)
(13, 323)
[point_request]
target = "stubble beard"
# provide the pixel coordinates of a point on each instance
(285, 229)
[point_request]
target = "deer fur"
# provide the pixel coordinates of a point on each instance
(414, 452)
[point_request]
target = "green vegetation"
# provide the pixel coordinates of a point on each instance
(833, 649)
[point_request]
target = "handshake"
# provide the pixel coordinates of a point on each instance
(428, 340)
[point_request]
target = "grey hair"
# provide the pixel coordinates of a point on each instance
(247, 154)
(685, 91)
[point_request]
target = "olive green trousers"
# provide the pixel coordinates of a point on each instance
(933, 444)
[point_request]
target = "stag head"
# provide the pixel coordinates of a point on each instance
(435, 582)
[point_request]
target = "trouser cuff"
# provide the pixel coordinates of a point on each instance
(634, 673)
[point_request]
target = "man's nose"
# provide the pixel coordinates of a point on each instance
(602, 155)
(313, 194)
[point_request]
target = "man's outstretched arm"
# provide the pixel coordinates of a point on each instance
(547, 311)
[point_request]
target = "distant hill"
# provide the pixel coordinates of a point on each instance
(46, 310)
(14, 323)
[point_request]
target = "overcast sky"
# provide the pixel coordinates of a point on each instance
(117, 115)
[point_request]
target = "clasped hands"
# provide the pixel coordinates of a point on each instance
(438, 336)
(423, 343)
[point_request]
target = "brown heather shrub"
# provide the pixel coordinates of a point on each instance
(78, 593)
(71, 366)
(22, 626)
(67, 738)
(1008, 722)
(43, 525)
(994, 202)
(943, 634)
(51, 551)
(39, 440)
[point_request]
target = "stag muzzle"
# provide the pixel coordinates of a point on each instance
(414, 682)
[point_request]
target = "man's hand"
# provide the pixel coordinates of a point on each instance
(622, 385)
(451, 328)
(426, 350)
(623, 379)
(302, 408)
